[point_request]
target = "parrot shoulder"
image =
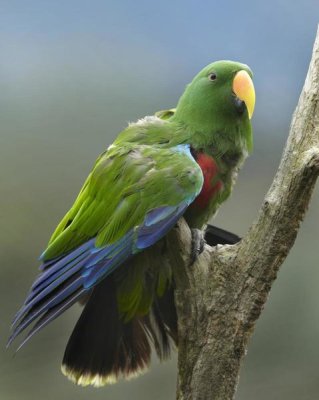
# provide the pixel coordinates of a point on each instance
(128, 180)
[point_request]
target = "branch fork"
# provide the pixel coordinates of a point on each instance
(221, 296)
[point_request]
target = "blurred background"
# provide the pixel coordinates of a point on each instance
(72, 74)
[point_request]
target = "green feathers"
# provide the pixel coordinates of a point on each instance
(109, 249)
(127, 181)
(142, 171)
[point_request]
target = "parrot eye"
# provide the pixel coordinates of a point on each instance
(212, 76)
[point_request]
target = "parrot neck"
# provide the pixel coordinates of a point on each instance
(226, 135)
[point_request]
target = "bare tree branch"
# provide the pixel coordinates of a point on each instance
(221, 296)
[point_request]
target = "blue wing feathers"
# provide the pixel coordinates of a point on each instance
(71, 268)
(29, 314)
(155, 228)
(51, 314)
(67, 278)
(158, 214)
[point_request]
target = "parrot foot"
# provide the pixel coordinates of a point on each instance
(198, 243)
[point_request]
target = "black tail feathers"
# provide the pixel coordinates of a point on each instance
(214, 236)
(102, 347)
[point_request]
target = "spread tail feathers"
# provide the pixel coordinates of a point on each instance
(103, 347)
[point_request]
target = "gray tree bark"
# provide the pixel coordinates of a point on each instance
(221, 296)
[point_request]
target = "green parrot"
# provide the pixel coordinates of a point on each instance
(108, 252)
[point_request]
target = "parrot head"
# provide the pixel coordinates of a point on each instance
(221, 92)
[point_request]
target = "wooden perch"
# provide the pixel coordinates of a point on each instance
(221, 296)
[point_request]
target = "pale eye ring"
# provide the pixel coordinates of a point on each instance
(212, 76)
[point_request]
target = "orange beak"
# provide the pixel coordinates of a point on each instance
(243, 88)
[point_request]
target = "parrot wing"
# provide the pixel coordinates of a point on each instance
(131, 199)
